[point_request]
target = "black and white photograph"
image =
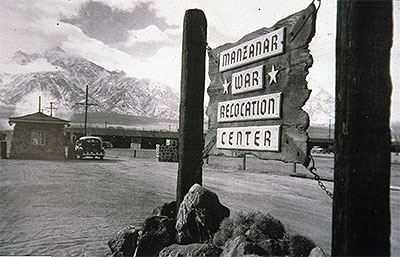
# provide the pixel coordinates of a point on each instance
(199, 128)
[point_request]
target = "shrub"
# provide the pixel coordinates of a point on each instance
(256, 225)
(266, 231)
(300, 245)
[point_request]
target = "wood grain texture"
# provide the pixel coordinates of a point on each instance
(361, 204)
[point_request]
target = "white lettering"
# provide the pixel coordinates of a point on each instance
(265, 46)
(263, 138)
(248, 80)
(263, 107)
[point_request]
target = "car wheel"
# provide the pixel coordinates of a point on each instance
(101, 157)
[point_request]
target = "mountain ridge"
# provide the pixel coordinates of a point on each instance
(66, 77)
(109, 91)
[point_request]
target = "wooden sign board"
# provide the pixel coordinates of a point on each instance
(257, 90)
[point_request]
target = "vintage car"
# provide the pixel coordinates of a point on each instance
(89, 146)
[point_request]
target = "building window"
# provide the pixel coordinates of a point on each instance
(38, 137)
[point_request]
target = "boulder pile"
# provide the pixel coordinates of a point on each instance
(202, 226)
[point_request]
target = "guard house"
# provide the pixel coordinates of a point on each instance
(38, 136)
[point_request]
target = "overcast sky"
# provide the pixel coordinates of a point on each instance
(143, 38)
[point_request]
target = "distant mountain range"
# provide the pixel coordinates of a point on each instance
(320, 107)
(109, 91)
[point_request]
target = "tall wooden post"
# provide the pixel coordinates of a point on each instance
(361, 207)
(192, 102)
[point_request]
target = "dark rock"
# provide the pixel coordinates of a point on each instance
(124, 243)
(241, 246)
(158, 233)
(167, 209)
(199, 216)
(192, 250)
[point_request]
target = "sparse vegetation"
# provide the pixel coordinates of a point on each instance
(300, 245)
(256, 225)
(266, 231)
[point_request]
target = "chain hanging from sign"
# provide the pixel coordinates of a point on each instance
(313, 170)
(257, 90)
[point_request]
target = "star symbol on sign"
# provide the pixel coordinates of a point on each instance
(272, 75)
(226, 86)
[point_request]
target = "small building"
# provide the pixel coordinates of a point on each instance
(38, 136)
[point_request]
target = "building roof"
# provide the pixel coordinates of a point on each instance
(37, 117)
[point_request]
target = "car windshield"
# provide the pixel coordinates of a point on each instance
(91, 144)
(92, 141)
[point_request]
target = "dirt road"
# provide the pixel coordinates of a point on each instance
(71, 208)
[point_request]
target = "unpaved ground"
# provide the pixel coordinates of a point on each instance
(71, 208)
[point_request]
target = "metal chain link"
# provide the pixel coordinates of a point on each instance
(312, 170)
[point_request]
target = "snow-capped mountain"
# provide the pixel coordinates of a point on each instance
(320, 107)
(66, 76)
(65, 83)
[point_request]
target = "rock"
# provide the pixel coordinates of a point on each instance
(317, 252)
(124, 243)
(158, 233)
(199, 216)
(241, 246)
(167, 209)
(192, 250)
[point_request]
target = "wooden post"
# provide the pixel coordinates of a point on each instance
(361, 206)
(192, 102)
(294, 168)
(244, 163)
(3, 149)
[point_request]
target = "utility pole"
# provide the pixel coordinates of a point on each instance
(51, 108)
(86, 106)
(329, 135)
(40, 103)
(361, 202)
